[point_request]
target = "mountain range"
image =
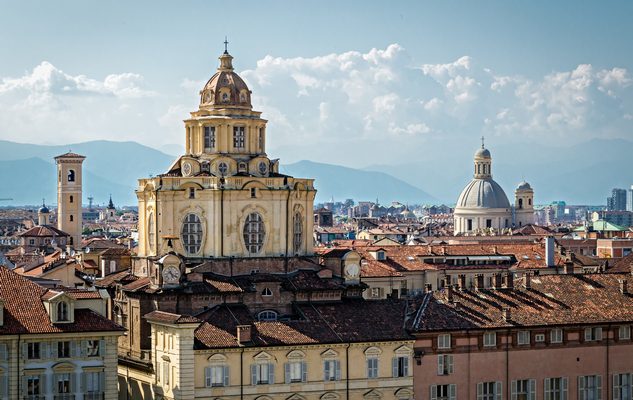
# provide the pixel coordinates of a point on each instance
(28, 174)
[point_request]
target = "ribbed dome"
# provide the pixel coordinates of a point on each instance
(524, 186)
(483, 193)
(482, 153)
(226, 88)
(43, 210)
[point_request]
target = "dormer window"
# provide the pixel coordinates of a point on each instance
(267, 292)
(225, 97)
(380, 255)
(267, 315)
(63, 311)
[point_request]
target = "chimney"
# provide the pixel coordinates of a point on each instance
(428, 288)
(569, 267)
(624, 286)
(507, 315)
(446, 281)
(449, 293)
(549, 251)
(243, 334)
(496, 280)
(527, 280)
(508, 280)
(479, 281)
(461, 282)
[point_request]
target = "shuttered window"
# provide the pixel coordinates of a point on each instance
(590, 387)
(555, 388)
(524, 389)
(444, 392)
(216, 375)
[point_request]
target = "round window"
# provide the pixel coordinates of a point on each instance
(223, 168)
(262, 167)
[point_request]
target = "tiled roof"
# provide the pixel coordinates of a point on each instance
(161, 316)
(624, 265)
(346, 321)
(123, 277)
(70, 155)
(551, 300)
(24, 312)
(43, 231)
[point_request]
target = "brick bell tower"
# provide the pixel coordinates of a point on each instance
(69, 195)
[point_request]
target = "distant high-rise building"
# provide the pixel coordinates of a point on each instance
(617, 201)
(629, 199)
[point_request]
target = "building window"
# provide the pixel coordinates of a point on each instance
(539, 338)
(151, 235)
(192, 234)
(254, 233)
(374, 293)
(263, 374)
(253, 193)
(444, 392)
(593, 334)
(62, 311)
(488, 223)
(262, 167)
(469, 225)
(71, 175)
(63, 349)
(238, 137)
(489, 391)
(92, 348)
(372, 367)
(380, 255)
(209, 138)
(331, 370)
(624, 332)
(400, 366)
(32, 242)
(590, 387)
(166, 373)
(524, 389)
(298, 232)
(71, 218)
(556, 336)
(555, 389)
(71, 198)
(62, 383)
(192, 193)
(94, 385)
(490, 339)
(33, 351)
(444, 341)
(33, 388)
(223, 168)
(444, 364)
(296, 371)
(267, 292)
(261, 139)
(622, 386)
(523, 338)
(267, 315)
(216, 375)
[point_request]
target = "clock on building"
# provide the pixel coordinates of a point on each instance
(171, 274)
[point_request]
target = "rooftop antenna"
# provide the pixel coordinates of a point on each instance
(226, 45)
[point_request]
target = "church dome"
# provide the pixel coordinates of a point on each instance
(225, 88)
(524, 186)
(43, 210)
(482, 153)
(483, 193)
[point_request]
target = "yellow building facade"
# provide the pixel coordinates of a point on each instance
(224, 197)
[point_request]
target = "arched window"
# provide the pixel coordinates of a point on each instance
(298, 232)
(192, 233)
(71, 175)
(223, 168)
(267, 292)
(267, 315)
(71, 199)
(71, 218)
(151, 235)
(520, 203)
(529, 202)
(254, 232)
(62, 311)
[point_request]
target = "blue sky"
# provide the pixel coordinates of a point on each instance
(390, 76)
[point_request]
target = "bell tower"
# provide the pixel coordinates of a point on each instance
(69, 194)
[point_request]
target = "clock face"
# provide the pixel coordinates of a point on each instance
(186, 169)
(171, 274)
(352, 271)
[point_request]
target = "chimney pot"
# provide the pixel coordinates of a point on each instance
(461, 281)
(243, 334)
(569, 267)
(507, 314)
(449, 293)
(479, 281)
(508, 280)
(497, 280)
(428, 288)
(527, 280)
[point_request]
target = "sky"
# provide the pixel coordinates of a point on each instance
(353, 83)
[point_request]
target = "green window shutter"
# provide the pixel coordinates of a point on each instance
(433, 392)
(514, 390)
(440, 365)
(616, 387)
(547, 389)
(449, 359)
(498, 392)
(287, 372)
(253, 374)
(304, 371)
(271, 373)
(337, 369)
(564, 385)
(532, 389)
(405, 364)
(598, 387)
(225, 373)
(581, 388)
(480, 391)
(102, 348)
(452, 391)
(394, 367)
(207, 376)
(326, 371)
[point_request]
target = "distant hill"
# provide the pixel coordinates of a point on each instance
(344, 183)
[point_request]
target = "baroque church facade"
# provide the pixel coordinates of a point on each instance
(483, 207)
